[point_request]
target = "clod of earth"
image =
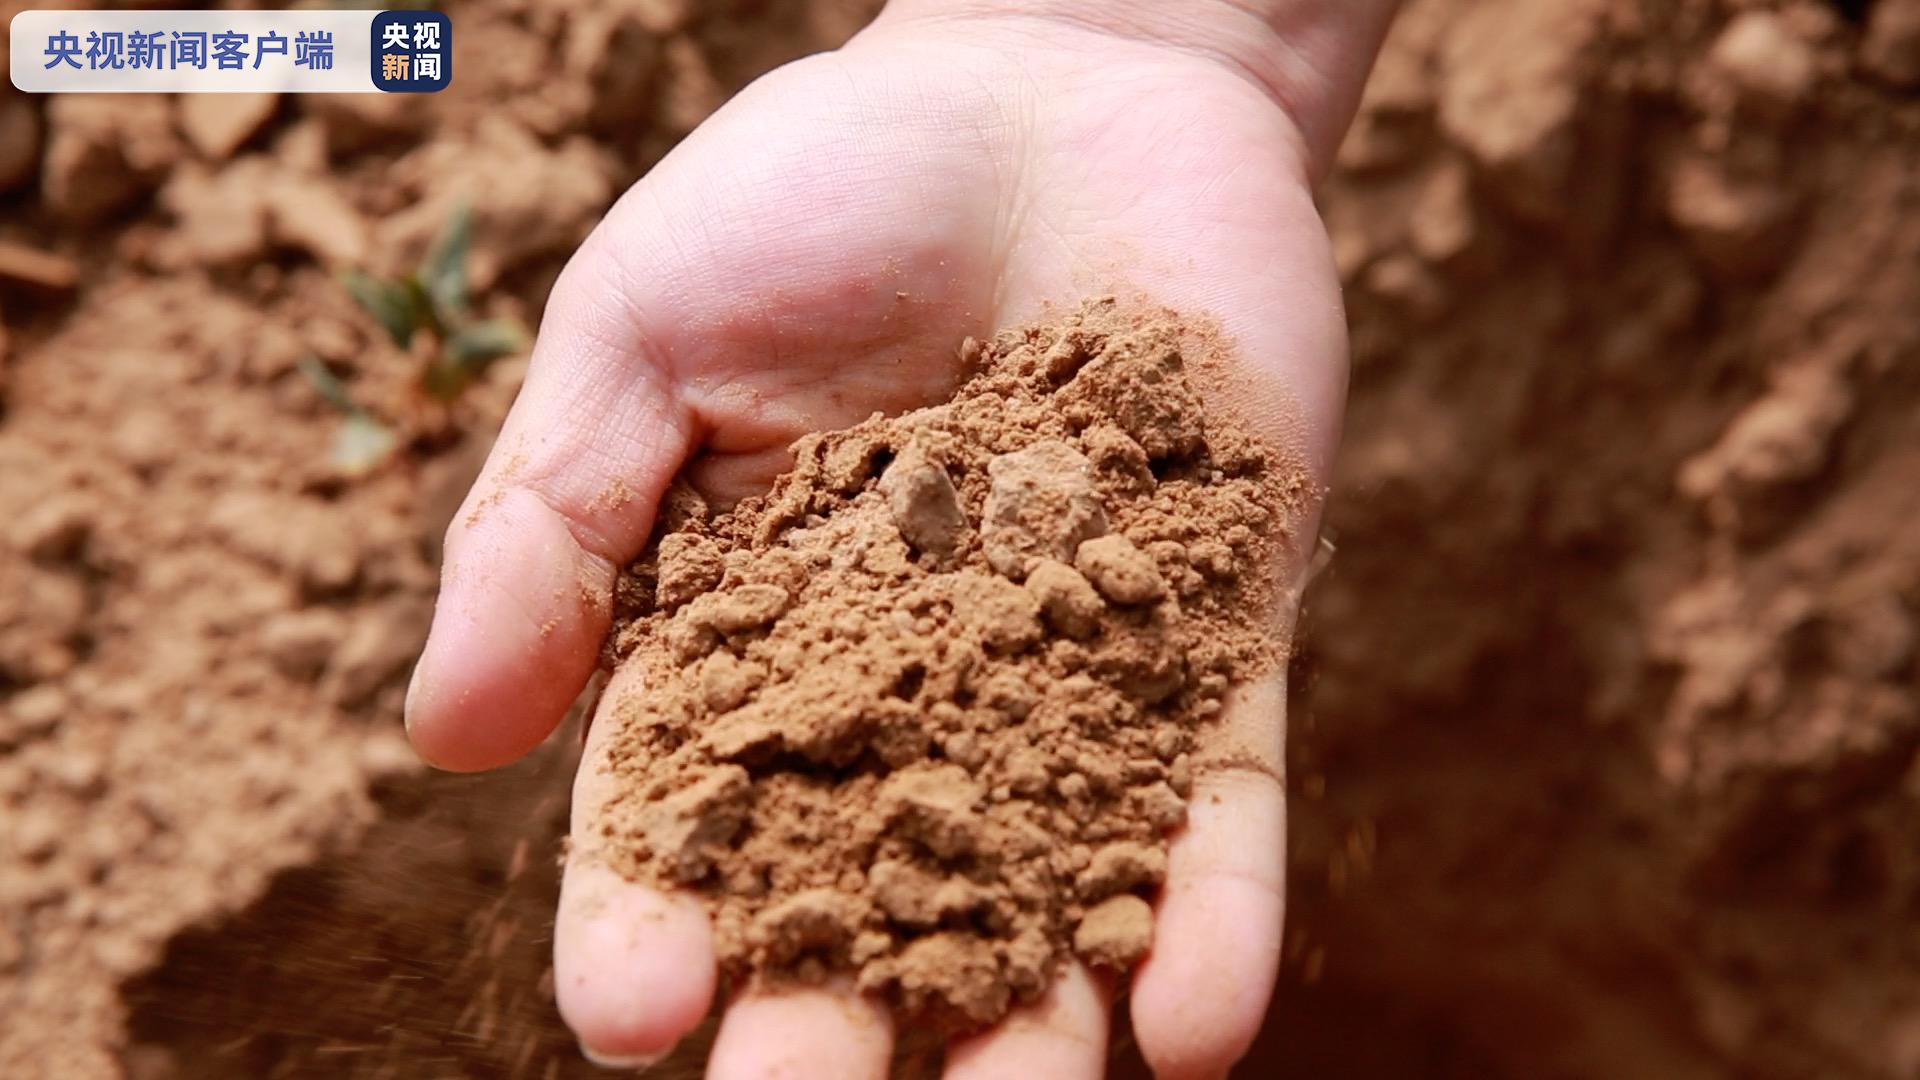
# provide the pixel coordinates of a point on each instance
(924, 713)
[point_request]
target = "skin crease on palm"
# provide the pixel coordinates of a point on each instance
(809, 256)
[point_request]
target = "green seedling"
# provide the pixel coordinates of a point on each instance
(433, 300)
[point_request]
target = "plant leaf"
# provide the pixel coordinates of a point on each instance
(443, 273)
(478, 344)
(467, 353)
(361, 444)
(396, 305)
(426, 316)
(327, 384)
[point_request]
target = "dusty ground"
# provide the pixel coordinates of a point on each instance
(1605, 758)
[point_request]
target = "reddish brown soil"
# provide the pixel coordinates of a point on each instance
(926, 712)
(1606, 726)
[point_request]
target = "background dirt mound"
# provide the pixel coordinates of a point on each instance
(341, 966)
(1608, 759)
(1605, 739)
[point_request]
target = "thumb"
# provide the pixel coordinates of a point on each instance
(567, 498)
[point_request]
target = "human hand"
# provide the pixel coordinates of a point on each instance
(950, 171)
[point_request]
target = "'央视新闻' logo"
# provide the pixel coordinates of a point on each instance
(412, 51)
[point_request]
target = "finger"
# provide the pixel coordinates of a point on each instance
(1200, 997)
(566, 498)
(825, 1032)
(1062, 1035)
(633, 966)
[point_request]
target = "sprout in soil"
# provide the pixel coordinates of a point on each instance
(433, 299)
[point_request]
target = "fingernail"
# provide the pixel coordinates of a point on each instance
(630, 1062)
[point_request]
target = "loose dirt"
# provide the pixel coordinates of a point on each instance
(925, 711)
(1605, 709)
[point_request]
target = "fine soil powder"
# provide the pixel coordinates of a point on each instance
(924, 713)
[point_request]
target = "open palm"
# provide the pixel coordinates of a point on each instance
(813, 254)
